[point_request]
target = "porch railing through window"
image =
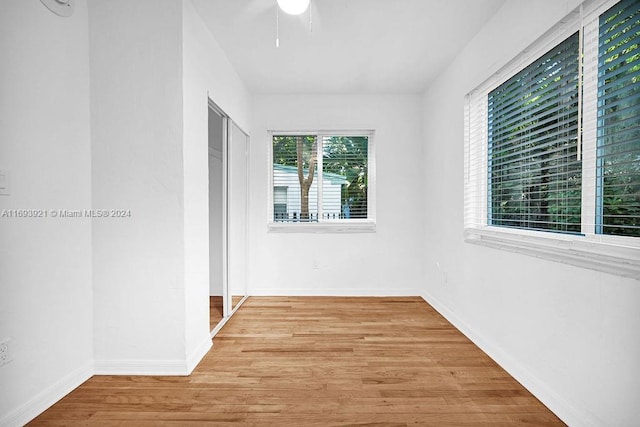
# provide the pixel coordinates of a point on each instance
(313, 217)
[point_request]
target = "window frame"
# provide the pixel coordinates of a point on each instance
(619, 255)
(351, 225)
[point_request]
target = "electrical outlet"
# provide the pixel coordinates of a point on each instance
(5, 352)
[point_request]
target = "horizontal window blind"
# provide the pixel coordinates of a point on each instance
(345, 166)
(533, 169)
(475, 161)
(552, 144)
(618, 146)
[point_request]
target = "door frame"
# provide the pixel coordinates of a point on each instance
(228, 309)
(226, 312)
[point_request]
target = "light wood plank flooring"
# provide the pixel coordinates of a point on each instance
(319, 362)
(215, 311)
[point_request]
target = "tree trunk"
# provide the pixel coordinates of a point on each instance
(305, 182)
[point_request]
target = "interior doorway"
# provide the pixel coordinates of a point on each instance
(228, 216)
(217, 136)
(238, 214)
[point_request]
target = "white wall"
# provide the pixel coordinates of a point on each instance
(207, 73)
(137, 164)
(45, 264)
(386, 262)
(91, 116)
(569, 335)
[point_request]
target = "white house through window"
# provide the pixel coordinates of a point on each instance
(321, 177)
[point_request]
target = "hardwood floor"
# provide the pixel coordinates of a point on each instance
(215, 311)
(235, 300)
(319, 362)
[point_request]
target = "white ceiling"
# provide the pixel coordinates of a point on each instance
(356, 46)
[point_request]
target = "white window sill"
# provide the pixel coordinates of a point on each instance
(619, 256)
(351, 226)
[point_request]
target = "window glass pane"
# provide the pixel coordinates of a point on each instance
(295, 167)
(345, 177)
(618, 154)
(280, 203)
(534, 176)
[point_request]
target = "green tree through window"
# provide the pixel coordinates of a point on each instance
(344, 175)
(618, 155)
(534, 173)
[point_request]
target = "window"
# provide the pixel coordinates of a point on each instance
(321, 179)
(552, 145)
(618, 155)
(534, 172)
(279, 203)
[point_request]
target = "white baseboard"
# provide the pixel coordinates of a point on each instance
(153, 367)
(47, 397)
(556, 403)
(219, 326)
(141, 367)
(198, 354)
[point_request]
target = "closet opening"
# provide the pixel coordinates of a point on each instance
(228, 216)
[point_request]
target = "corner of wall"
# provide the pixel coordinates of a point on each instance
(556, 403)
(198, 354)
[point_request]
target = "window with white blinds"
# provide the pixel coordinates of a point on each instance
(552, 144)
(345, 161)
(618, 154)
(321, 177)
(533, 169)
